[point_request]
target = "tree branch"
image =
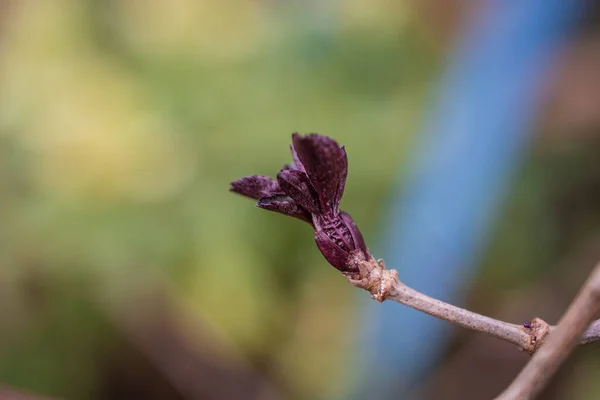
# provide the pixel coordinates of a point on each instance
(544, 364)
(592, 333)
(383, 284)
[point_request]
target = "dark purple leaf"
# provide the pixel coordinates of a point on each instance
(284, 205)
(333, 253)
(326, 165)
(295, 184)
(256, 187)
(342, 185)
(357, 237)
(296, 164)
(335, 227)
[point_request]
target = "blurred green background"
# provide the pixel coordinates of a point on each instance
(127, 269)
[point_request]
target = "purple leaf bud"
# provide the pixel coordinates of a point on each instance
(311, 189)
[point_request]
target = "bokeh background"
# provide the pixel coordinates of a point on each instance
(127, 269)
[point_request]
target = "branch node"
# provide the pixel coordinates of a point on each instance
(388, 278)
(538, 331)
(372, 275)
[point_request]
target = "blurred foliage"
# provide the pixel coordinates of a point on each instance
(552, 214)
(123, 122)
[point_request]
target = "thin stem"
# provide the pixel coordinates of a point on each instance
(512, 333)
(546, 361)
(383, 284)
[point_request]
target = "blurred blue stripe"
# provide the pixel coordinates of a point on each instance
(441, 218)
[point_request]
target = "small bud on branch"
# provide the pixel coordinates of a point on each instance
(311, 189)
